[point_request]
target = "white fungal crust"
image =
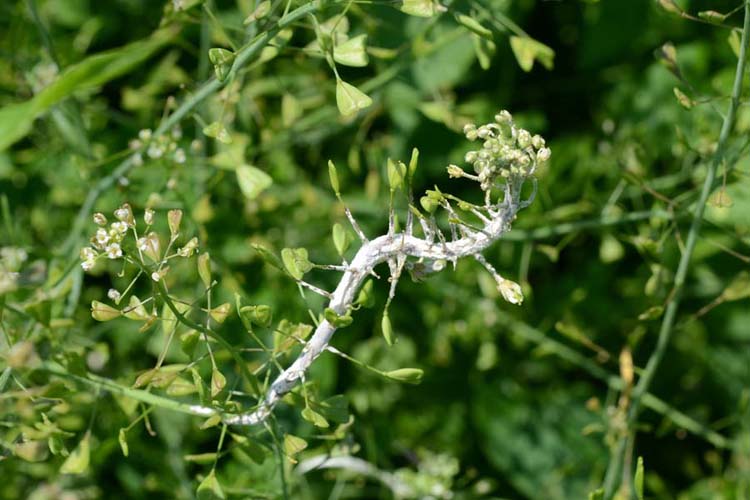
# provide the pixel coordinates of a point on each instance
(501, 168)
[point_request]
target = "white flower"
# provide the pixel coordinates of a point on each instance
(122, 213)
(88, 265)
(137, 159)
(543, 155)
(102, 237)
(148, 216)
(100, 219)
(142, 244)
(155, 276)
(119, 227)
(144, 134)
(113, 294)
(179, 156)
(88, 253)
(155, 151)
(113, 250)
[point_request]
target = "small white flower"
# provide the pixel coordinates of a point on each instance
(543, 155)
(122, 213)
(179, 156)
(88, 253)
(88, 265)
(176, 133)
(148, 216)
(102, 237)
(144, 134)
(137, 159)
(113, 250)
(155, 151)
(113, 294)
(100, 219)
(155, 276)
(119, 227)
(134, 144)
(189, 248)
(142, 244)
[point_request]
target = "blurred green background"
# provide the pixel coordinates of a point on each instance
(515, 401)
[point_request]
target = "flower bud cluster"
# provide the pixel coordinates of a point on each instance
(162, 146)
(107, 241)
(507, 152)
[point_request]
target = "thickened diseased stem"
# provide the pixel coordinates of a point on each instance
(372, 253)
(508, 157)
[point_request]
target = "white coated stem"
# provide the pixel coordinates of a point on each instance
(371, 253)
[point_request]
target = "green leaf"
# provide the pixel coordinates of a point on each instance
(260, 315)
(78, 461)
(335, 408)
(406, 375)
(252, 181)
(123, 440)
(267, 256)
(201, 458)
(413, 161)
(670, 6)
(597, 494)
(396, 172)
(218, 131)
(210, 489)
(420, 8)
(218, 382)
(352, 52)
(314, 418)
(638, 479)
(293, 444)
(337, 320)
(484, 50)
(296, 262)
(341, 238)
(527, 50)
(350, 99)
(334, 176)
(385, 325)
(16, 120)
(474, 26)
(651, 313)
(739, 288)
(222, 60)
(683, 99)
(102, 312)
(366, 298)
(712, 16)
(204, 269)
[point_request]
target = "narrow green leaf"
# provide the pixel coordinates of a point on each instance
(16, 120)
(218, 382)
(474, 26)
(407, 375)
(334, 176)
(340, 238)
(204, 268)
(385, 326)
(638, 479)
(123, 440)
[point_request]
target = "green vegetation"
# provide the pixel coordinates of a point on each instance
(292, 249)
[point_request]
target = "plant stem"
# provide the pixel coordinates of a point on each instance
(612, 478)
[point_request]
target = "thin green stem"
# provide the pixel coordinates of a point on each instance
(612, 478)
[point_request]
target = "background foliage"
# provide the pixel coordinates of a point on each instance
(516, 402)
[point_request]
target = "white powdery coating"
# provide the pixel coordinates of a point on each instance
(370, 255)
